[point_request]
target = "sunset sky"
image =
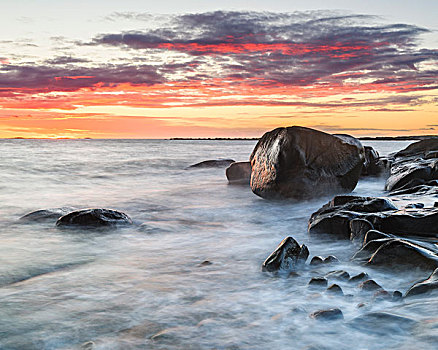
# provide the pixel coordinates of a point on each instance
(159, 69)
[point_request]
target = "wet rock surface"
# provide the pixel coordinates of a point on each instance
(327, 315)
(288, 256)
(46, 214)
(239, 173)
(427, 286)
(298, 162)
(94, 218)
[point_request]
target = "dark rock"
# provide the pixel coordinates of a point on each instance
(331, 259)
(328, 315)
(365, 253)
(362, 204)
(335, 289)
(359, 277)
(340, 275)
(397, 252)
(372, 166)
(435, 205)
(205, 263)
(298, 162)
(382, 295)
(426, 286)
(382, 323)
(369, 286)
(420, 148)
(239, 173)
(213, 163)
(94, 217)
(316, 260)
(334, 223)
(431, 154)
(397, 296)
(359, 228)
(374, 235)
(415, 206)
(46, 214)
(288, 255)
(318, 281)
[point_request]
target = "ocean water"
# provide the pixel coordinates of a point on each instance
(143, 286)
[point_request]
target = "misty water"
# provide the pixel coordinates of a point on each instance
(144, 287)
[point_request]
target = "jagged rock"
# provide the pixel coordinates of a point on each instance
(340, 275)
(335, 289)
(318, 281)
(369, 286)
(298, 162)
(397, 252)
(239, 173)
(94, 217)
(426, 286)
(213, 163)
(420, 148)
(359, 228)
(331, 259)
(46, 214)
(359, 277)
(288, 255)
(372, 166)
(373, 235)
(327, 315)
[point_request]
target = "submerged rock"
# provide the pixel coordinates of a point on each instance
(335, 289)
(383, 323)
(288, 255)
(213, 163)
(327, 315)
(239, 173)
(318, 281)
(426, 286)
(46, 214)
(298, 162)
(370, 286)
(94, 217)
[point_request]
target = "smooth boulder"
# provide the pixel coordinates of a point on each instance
(95, 218)
(213, 163)
(239, 173)
(46, 214)
(288, 255)
(426, 286)
(297, 162)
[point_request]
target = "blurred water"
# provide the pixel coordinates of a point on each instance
(142, 287)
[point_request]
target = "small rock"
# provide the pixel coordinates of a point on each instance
(369, 286)
(359, 228)
(239, 173)
(415, 206)
(340, 275)
(94, 217)
(331, 259)
(46, 214)
(89, 345)
(435, 205)
(382, 323)
(213, 163)
(335, 289)
(318, 281)
(205, 263)
(288, 255)
(359, 277)
(327, 315)
(360, 305)
(381, 295)
(316, 260)
(397, 296)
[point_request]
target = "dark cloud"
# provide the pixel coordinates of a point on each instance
(65, 60)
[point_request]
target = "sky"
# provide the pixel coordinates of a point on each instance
(202, 68)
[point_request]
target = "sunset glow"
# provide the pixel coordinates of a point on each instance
(224, 74)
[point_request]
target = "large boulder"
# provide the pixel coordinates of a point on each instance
(95, 218)
(298, 162)
(426, 286)
(239, 173)
(288, 255)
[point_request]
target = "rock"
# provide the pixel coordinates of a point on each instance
(331, 259)
(327, 315)
(46, 214)
(318, 281)
(435, 205)
(316, 260)
(369, 286)
(213, 163)
(365, 253)
(239, 173)
(382, 295)
(426, 286)
(89, 345)
(335, 289)
(397, 296)
(359, 277)
(382, 323)
(374, 235)
(415, 206)
(372, 166)
(205, 263)
(420, 148)
(359, 228)
(298, 162)
(94, 217)
(288, 255)
(397, 252)
(340, 275)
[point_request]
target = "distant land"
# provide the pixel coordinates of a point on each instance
(366, 138)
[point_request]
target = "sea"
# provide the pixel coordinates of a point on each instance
(187, 274)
